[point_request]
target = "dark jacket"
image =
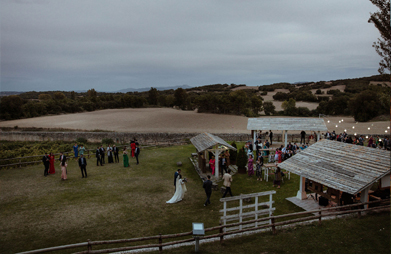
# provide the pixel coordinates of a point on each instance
(207, 185)
(46, 161)
(82, 163)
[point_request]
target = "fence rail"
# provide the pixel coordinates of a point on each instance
(386, 204)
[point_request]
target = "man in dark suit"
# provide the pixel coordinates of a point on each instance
(63, 157)
(82, 164)
(115, 150)
(137, 152)
(98, 156)
(207, 185)
(102, 151)
(177, 173)
(46, 163)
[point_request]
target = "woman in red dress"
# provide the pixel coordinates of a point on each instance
(51, 168)
(133, 147)
(212, 165)
(279, 155)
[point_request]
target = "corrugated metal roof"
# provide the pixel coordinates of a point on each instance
(206, 140)
(341, 166)
(309, 124)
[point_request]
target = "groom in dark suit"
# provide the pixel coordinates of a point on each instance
(177, 173)
(82, 164)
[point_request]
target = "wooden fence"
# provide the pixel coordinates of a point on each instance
(160, 239)
(247, 211)
(89, 153)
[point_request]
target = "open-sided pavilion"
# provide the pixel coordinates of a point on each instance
(286, 124)
(341, 167)
(205, 142)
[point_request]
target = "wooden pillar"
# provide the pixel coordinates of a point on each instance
(301, 194)
(318, 135)
(364, 197)
(254, 136)
(285, 139)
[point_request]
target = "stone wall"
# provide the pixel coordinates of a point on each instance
(143, 138)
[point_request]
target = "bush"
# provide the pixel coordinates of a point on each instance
(318, 91)
(269, 108)
(107, 141)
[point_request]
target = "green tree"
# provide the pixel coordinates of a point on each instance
(289, 107)
(153, 96)
(180, 98)
(11, 107)
(238, 101)
(269, 108)
(256, 104)
(58, 96)
(92, 93)
(44, 97)
(365, 106)
(382, 22)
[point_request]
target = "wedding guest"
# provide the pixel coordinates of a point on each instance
(212, 165)
(98, 156)
(278, 178)
(102, 153)
(227, 183)
(63, 165)
(258, 168)
(109, 154)
(207, 185)
(46, 164)
(115, 151)
(250, 168)
(81, 150)
(51, 160)
(227, 156)
(82, 165)
(137, 152)
(125, 157)
(133, 148)
(75, 147)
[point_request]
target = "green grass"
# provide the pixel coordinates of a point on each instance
(368, 235)
(113, 202)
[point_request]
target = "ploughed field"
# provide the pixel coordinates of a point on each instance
(174, 121)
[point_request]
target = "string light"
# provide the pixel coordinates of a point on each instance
(340, 121)
(369, 128)
(366, 136)
(345, 130)
(353, 127)
(388, 127)
(355, 134)
(385, 131)
(329, 121)
(336, 125)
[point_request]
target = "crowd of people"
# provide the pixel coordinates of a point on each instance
(361, 140)
(79, 152)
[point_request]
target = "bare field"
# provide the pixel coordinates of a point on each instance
(174, 121)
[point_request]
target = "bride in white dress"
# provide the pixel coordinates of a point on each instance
(180, 190)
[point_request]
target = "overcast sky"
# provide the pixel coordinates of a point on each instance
(112, 45)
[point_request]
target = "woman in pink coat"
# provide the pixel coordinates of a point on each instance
(63, 170)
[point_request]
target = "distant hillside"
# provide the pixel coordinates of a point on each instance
(148, 88)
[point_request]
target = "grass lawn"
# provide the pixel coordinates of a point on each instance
(113, 202)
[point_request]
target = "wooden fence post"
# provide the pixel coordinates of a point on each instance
(319, 219)
(160, 243)
(89, 246)
(221, 231)
(273, 225)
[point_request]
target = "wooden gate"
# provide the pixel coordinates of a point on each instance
(249, 206)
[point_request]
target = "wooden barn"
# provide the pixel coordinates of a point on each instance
(335, 169)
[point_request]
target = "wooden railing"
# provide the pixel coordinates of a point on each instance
(347, 209)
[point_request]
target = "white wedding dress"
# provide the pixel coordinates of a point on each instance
(179, 193)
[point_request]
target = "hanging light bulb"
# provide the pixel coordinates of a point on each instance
(366, 136)
(340, 121)
(329, 121)
(388, 127)
(336, 125)
(353, 127)
(385, 131)
(372, 124)
(345, 130)
(355, 134)
(369, 128)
